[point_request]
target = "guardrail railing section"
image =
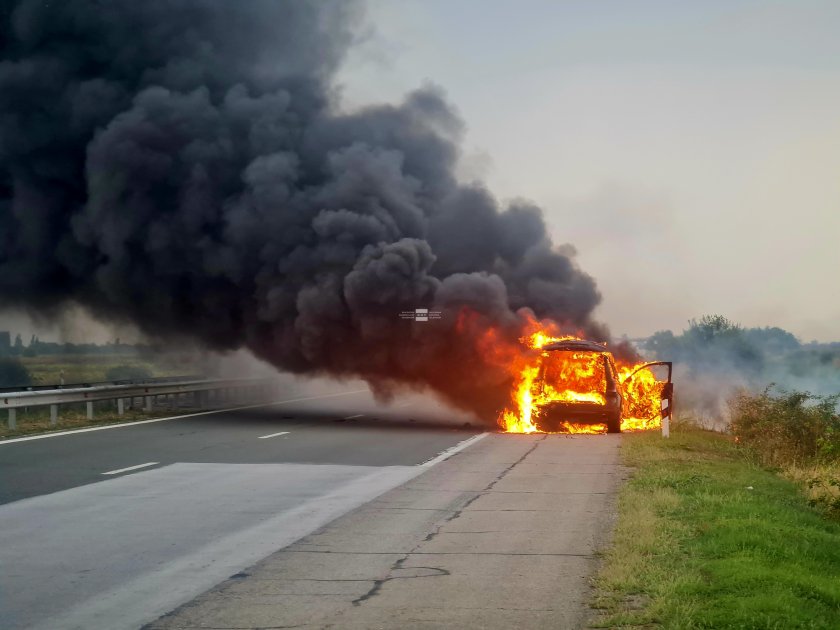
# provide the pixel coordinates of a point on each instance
(203, 393)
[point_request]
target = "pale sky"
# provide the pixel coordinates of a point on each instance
(689, 150)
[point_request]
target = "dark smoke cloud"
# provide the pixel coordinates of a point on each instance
(183, 165)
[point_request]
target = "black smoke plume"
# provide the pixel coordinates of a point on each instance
(185, 165)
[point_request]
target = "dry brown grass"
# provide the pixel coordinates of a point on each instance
(93, 368)
(821, 485)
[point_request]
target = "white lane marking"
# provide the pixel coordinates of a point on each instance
(196, 563)
(265, 437)
(131, 585)
(122, 470)
(358, 415)
(188, 415)
(460, 446)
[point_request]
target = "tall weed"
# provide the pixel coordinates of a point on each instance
(786, 428)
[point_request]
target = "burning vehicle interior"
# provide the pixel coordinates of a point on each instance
(572, 385)
(565, 366)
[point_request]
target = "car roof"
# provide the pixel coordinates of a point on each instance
(578, 345)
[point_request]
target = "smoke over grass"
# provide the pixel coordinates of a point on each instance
(185, 166)
(715, 358)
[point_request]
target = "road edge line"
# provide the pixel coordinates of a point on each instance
(460, 446)
(130, 468)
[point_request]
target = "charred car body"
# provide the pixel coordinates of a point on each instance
(578, 382)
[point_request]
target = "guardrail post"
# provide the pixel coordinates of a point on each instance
(13, 418)
(148, 400)
(120, 406)
(53, 415)
(90, 410)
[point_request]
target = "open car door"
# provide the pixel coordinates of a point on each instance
(661, 372)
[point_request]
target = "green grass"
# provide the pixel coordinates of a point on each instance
(695, 547)
(91, 368)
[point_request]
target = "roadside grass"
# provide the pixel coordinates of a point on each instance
(796, 433)
(93, 368)
(821, 485)
(708, 539)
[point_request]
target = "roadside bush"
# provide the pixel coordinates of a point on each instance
(824, 493)
(787, 429)
(127, 373)
(13, 373)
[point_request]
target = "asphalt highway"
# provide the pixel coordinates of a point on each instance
(113, 527)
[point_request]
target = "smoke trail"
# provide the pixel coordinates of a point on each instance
(184, 165)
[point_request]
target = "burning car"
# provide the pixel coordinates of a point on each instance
(567, 365)
(571, 385)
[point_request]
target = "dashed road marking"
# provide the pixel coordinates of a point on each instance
(122, 470)
(271, 435)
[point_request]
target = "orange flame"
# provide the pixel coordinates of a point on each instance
(543, 377)
(644, 399)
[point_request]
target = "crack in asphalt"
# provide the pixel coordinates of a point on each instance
(398, 564)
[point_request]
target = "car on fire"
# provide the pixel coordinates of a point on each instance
(578, 382)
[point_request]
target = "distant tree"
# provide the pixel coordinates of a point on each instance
(31, 350)
(711, 326)
(773, 340)
(13, 373)
(17, 348)
(663, 344)
(712, 342)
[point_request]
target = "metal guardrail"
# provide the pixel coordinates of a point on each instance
(121, 381)
(12, 401)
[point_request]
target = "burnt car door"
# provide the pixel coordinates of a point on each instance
(662, 373)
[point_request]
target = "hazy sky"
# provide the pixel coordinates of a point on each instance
(690, 151)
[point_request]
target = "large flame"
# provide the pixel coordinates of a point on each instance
(541, 377)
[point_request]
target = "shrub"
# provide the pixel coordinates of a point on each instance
(13, 373)
(824, 492)
(789, 428)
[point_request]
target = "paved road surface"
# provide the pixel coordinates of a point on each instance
(502, 535)
(112, 528)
